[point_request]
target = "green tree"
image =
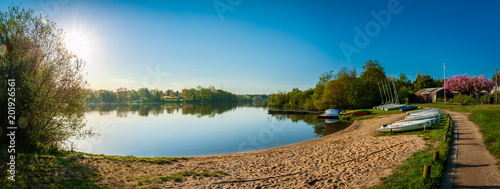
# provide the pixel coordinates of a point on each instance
(404, 87)
(155, 95)
(424, 81)
(122, 94)
(106, 96)
(172, 94)
(49, 81)
(144, 93)
(373, 72)
(134, 96)
(206, 94)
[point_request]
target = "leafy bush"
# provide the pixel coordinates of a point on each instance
(464, 99)
(485, 99)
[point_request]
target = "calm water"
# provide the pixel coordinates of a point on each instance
(195, 129)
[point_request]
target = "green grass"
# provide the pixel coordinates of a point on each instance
(375, 113)
(153, 160)
(409, 174)
(62, 170)
(487, 117)
(66, 170)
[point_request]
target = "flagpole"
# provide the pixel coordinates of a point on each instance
(444, 80)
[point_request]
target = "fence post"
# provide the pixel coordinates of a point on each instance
(427, 171)
(436, 155)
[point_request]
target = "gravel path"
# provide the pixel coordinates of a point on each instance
(471, 165)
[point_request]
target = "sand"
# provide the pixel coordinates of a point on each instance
(351, 158)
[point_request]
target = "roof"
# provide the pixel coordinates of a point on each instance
(429, 90)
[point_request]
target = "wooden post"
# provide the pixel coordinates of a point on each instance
(445, 137)
(391, 131)
(436, 155)
(427, 171)
(424, 128)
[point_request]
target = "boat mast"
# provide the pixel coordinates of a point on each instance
(395, 91)
(386, 91)
(389, 86)
(378, 83)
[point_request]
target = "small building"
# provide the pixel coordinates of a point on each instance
(430, 95)
(495, 88)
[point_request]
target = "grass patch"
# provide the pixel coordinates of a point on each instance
(409, 174)
(487, 117)
(375, 113)
(153, 160)
(62, 170)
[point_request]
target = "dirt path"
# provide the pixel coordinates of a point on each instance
(471, 165)
(351, 158)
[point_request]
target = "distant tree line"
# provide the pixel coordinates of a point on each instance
(144, 95)
(346, 90)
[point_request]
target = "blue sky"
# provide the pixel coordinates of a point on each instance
(265, 46)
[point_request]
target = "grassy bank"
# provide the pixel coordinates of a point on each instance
(375, 113)
(80, 170)
(61, 170)
(487, 117)
(410, 173)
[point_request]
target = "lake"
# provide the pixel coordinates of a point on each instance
(175, 129)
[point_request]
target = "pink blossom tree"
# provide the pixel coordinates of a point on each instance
(467, 84)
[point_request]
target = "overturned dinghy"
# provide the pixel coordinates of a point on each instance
(414, 121)
(330, 114)
(405, 126)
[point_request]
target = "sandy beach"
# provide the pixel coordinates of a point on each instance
(351, 158)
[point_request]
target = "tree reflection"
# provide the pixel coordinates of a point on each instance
(196, 109)
(321, 127)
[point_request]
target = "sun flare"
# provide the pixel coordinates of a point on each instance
(77, 43)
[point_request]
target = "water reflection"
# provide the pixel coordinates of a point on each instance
(144, 110)
(192, 129)
(322, 127)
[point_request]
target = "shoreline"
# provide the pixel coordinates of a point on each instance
(352, 157)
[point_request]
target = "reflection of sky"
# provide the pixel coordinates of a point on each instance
(188, 135)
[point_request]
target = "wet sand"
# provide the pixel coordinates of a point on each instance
(351, 158)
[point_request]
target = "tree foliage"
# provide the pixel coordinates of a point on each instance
(144, 95)
(50, 87)
(337, 90)
(467, 84)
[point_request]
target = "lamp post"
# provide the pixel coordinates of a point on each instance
(444, 80)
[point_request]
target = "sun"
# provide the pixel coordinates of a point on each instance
(78, 43)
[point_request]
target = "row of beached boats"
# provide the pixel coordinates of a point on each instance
(414, 120)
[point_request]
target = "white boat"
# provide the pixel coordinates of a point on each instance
(431, 120)
(403, 127)
(333, 112)
(414, 121)
(395, 107)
